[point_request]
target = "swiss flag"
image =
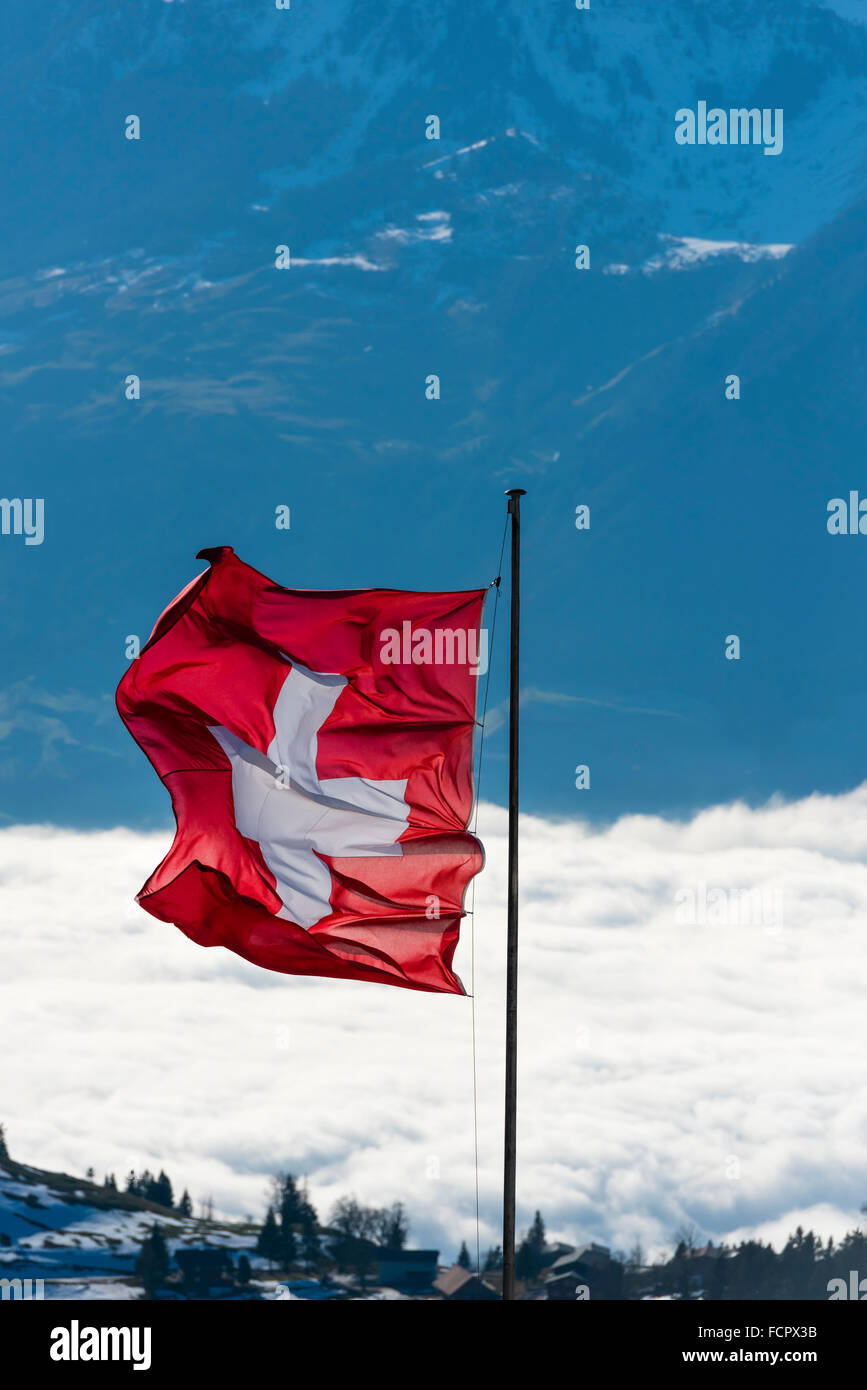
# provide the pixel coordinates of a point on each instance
(317, 748)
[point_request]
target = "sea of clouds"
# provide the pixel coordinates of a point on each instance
(692, 1035)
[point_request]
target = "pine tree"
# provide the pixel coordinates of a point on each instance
(268, 1244)
(464, 1256)
(245, 1272)
(525, 1263)
(185, 1206)
(494, 1258)
(152, 1265)
(161, 1191)
(291, 1202)
(310, 1244)
(299, 1224)
(530, 1255)
(288, 1246)
(4, 1152)
(536, 1236)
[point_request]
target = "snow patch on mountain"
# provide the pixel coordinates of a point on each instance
(356, 262)
(687, 252)
(436, 226)
(684, 252)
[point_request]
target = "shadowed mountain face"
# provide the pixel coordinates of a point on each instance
(410, 257)
(319, 111)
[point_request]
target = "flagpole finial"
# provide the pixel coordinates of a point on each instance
(214, 553)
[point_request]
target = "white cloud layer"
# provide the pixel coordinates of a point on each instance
(691, 1018)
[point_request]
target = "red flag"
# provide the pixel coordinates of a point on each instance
(317, 747)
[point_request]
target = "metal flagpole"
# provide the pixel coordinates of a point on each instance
(514, 495)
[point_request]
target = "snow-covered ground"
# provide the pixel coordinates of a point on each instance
(58, 1234)
(105, 1290)
(72, 1241)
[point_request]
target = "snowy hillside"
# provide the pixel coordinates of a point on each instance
(71, 1233)
(73, 1239)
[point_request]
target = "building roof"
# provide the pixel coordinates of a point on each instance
(451, 1281)
(584, 1254)
(408, 1257)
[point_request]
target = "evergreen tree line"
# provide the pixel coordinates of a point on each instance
(291, 1227)
(806, 1269)
(153, 1189)
(291, 1230)
(530, 1256)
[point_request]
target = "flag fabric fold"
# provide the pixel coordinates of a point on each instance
(318, 751)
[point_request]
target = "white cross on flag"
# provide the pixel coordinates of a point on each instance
(317, 747)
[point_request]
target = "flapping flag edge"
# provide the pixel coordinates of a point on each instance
(311, 956)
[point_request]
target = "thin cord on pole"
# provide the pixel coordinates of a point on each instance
(495, 584)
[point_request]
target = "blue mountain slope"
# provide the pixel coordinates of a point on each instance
(453, 257)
